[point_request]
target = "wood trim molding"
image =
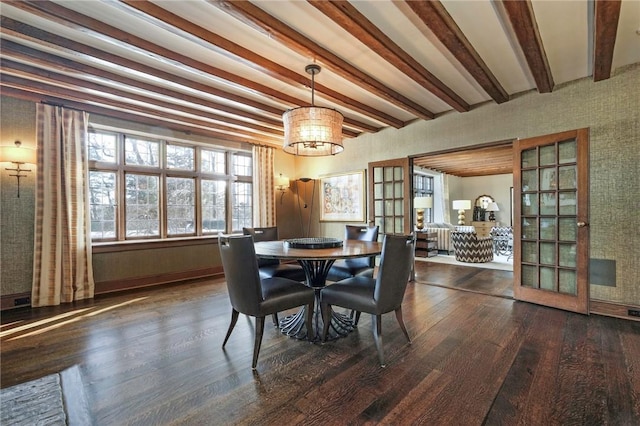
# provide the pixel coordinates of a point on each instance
(14, 301)
(152, 280)
(23, 300)
(612, 309)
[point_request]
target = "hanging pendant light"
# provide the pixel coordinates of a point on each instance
(311, 130)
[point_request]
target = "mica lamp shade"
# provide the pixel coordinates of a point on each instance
(17, 154)
(312, 131)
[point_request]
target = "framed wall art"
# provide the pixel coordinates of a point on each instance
(342, 197)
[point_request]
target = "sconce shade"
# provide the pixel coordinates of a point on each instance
(310, 130)
(17, 154)
(462, 204)
(282, 182)
(422, 202)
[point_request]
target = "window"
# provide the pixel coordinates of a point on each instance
(423, 187)
(142, 187)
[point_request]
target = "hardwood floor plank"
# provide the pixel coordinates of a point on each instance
(154, 356)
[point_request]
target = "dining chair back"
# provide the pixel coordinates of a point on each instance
(273, 267)
(375, 296)
(346, 268)
(250, 295)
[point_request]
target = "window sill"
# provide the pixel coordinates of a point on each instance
(130, 245)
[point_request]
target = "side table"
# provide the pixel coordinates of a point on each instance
(426, 244)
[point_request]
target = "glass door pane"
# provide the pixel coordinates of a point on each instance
(552, 184)
(389, 197)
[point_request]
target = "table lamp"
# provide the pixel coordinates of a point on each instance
(492, 207)
(421, 203)
(461, 206)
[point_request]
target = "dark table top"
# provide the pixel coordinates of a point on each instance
(350, 248)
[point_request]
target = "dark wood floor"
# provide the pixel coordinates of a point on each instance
(154, 358)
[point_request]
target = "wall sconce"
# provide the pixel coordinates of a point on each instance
(18, 156)
(282, 184)
(421, 203)
(461, 206)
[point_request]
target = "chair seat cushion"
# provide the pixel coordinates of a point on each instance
(284, 270)
(342, 269)
(280, 294)
(355, 292)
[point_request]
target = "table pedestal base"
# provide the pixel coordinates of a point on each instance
(294, 325)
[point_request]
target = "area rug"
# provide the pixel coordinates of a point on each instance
(499, 262)
(55, 399)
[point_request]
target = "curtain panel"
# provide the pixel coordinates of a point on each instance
(62, 270)
(264, 199)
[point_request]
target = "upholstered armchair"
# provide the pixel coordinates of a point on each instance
(502, 240)
(470, 248)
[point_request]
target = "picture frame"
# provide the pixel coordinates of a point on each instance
(342, 197)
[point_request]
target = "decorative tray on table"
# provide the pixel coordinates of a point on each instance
(313, 243)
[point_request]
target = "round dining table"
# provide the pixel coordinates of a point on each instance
(316, 263)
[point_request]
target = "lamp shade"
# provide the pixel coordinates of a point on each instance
(422, 202)
(282, 182)
(17, 154)
(462, 204)
(493, 207)
(312, 131)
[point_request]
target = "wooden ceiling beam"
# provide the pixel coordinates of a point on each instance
(67, 17)
(49, 61)
(607, 15)
(223, 123)
(66, 93)
(525, 27)
(435, 16)
(29, 95)
(349, 18)
(163, 18)
(253, 16)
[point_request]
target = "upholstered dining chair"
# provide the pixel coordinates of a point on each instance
(254, 296)
(375, 296)
(345, 268)
(270, 268)
(273, 267)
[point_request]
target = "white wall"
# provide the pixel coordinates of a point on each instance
(497, 186)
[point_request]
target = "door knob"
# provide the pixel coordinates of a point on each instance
(582, 224)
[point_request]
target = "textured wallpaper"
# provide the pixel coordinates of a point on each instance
(610, 108)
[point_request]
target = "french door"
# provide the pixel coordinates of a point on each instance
(390, 196)
(551, 231)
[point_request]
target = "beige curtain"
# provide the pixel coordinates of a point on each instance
(264, 200)
(62, 270)
(446, 205)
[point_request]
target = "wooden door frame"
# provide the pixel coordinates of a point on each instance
(579, 303)
(405, 163)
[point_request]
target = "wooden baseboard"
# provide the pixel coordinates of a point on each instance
(151, 280)
(611, 309)
(13, 301)
(21, 300)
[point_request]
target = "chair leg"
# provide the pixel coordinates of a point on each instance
(309, 320)
(276, 323)
(234, 320)
(376, 321)
(326, 320)
(258, 341)
(357, 318)
(401, 322)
